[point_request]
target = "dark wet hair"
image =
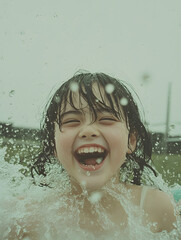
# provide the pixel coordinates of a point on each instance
(138, 159)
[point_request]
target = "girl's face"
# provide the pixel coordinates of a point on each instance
(91, 152)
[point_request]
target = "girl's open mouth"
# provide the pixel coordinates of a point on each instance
(90, 159)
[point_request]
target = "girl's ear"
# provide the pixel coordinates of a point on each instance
(131, 143)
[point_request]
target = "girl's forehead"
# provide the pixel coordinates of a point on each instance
(82, 102)
(97, 101)
(78, 103)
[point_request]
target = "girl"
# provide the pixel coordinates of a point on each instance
(92, 127)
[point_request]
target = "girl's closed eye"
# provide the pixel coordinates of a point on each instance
(71, 121)
(108, 120)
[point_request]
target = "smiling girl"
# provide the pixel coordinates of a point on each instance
(92, 127)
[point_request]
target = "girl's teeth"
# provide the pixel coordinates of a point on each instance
(91, 149)
(86, 150)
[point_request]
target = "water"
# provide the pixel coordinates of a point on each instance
(123, 101)
(74, 87)
(109, 88)
(53, 213)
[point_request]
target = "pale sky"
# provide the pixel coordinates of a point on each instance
(43, 43)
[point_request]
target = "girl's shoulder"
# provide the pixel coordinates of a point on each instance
(159, 207)
(150, 196)
(159, 201)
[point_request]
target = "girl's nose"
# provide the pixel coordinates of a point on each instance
(88, 132)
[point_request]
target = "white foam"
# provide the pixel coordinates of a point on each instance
(57, 213)
(95, 197)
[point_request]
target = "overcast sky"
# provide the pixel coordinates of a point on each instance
(43, 43)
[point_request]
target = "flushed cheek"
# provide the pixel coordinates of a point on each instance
(64, 150)
(118, 148)
(118, 139)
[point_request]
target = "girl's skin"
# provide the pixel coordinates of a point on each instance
(107, 132)
(79, 130)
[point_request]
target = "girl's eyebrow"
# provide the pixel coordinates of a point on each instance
(71, 112)
(104, 111)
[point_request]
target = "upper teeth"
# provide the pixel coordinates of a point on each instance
(90, 150)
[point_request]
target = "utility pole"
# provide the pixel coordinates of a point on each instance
(168, 116)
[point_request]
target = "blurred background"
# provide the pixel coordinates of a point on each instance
(43, 43)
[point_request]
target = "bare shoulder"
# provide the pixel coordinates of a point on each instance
(21, 221)
(160, 208)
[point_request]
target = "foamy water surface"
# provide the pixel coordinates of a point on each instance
(53, 213)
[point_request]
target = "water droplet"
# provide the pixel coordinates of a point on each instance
(88, 173)
(109, 88)
(22, 33)
(57, 99)
(95, 197)
(11, 140)
(99, 160)
(172, 127)
(146, 79)
(74, 87)
(123, 101)
(11, 93)
(83, 183)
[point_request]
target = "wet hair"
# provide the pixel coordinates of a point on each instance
(111, 102)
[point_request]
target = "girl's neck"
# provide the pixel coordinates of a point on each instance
(78, 190)
(94, 205)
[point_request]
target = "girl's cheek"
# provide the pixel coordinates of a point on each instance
(65, 141)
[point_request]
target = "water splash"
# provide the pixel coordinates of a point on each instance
(74, 87)
(124, 101)
(88, 173)
(109, 88)
(99, 160)
(11, 93)
(95, 197)
(53, 211)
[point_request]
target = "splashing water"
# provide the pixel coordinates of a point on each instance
(11, 93)
(109, 88)
(51, 212)
(57, 99)
(98, 160)
(124, 101)
(74, 87)
(95, 197)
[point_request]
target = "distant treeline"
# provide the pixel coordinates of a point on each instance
(173, 144)
(9, 131)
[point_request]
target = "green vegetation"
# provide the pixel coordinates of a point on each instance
(169, 165)
(21, 152)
